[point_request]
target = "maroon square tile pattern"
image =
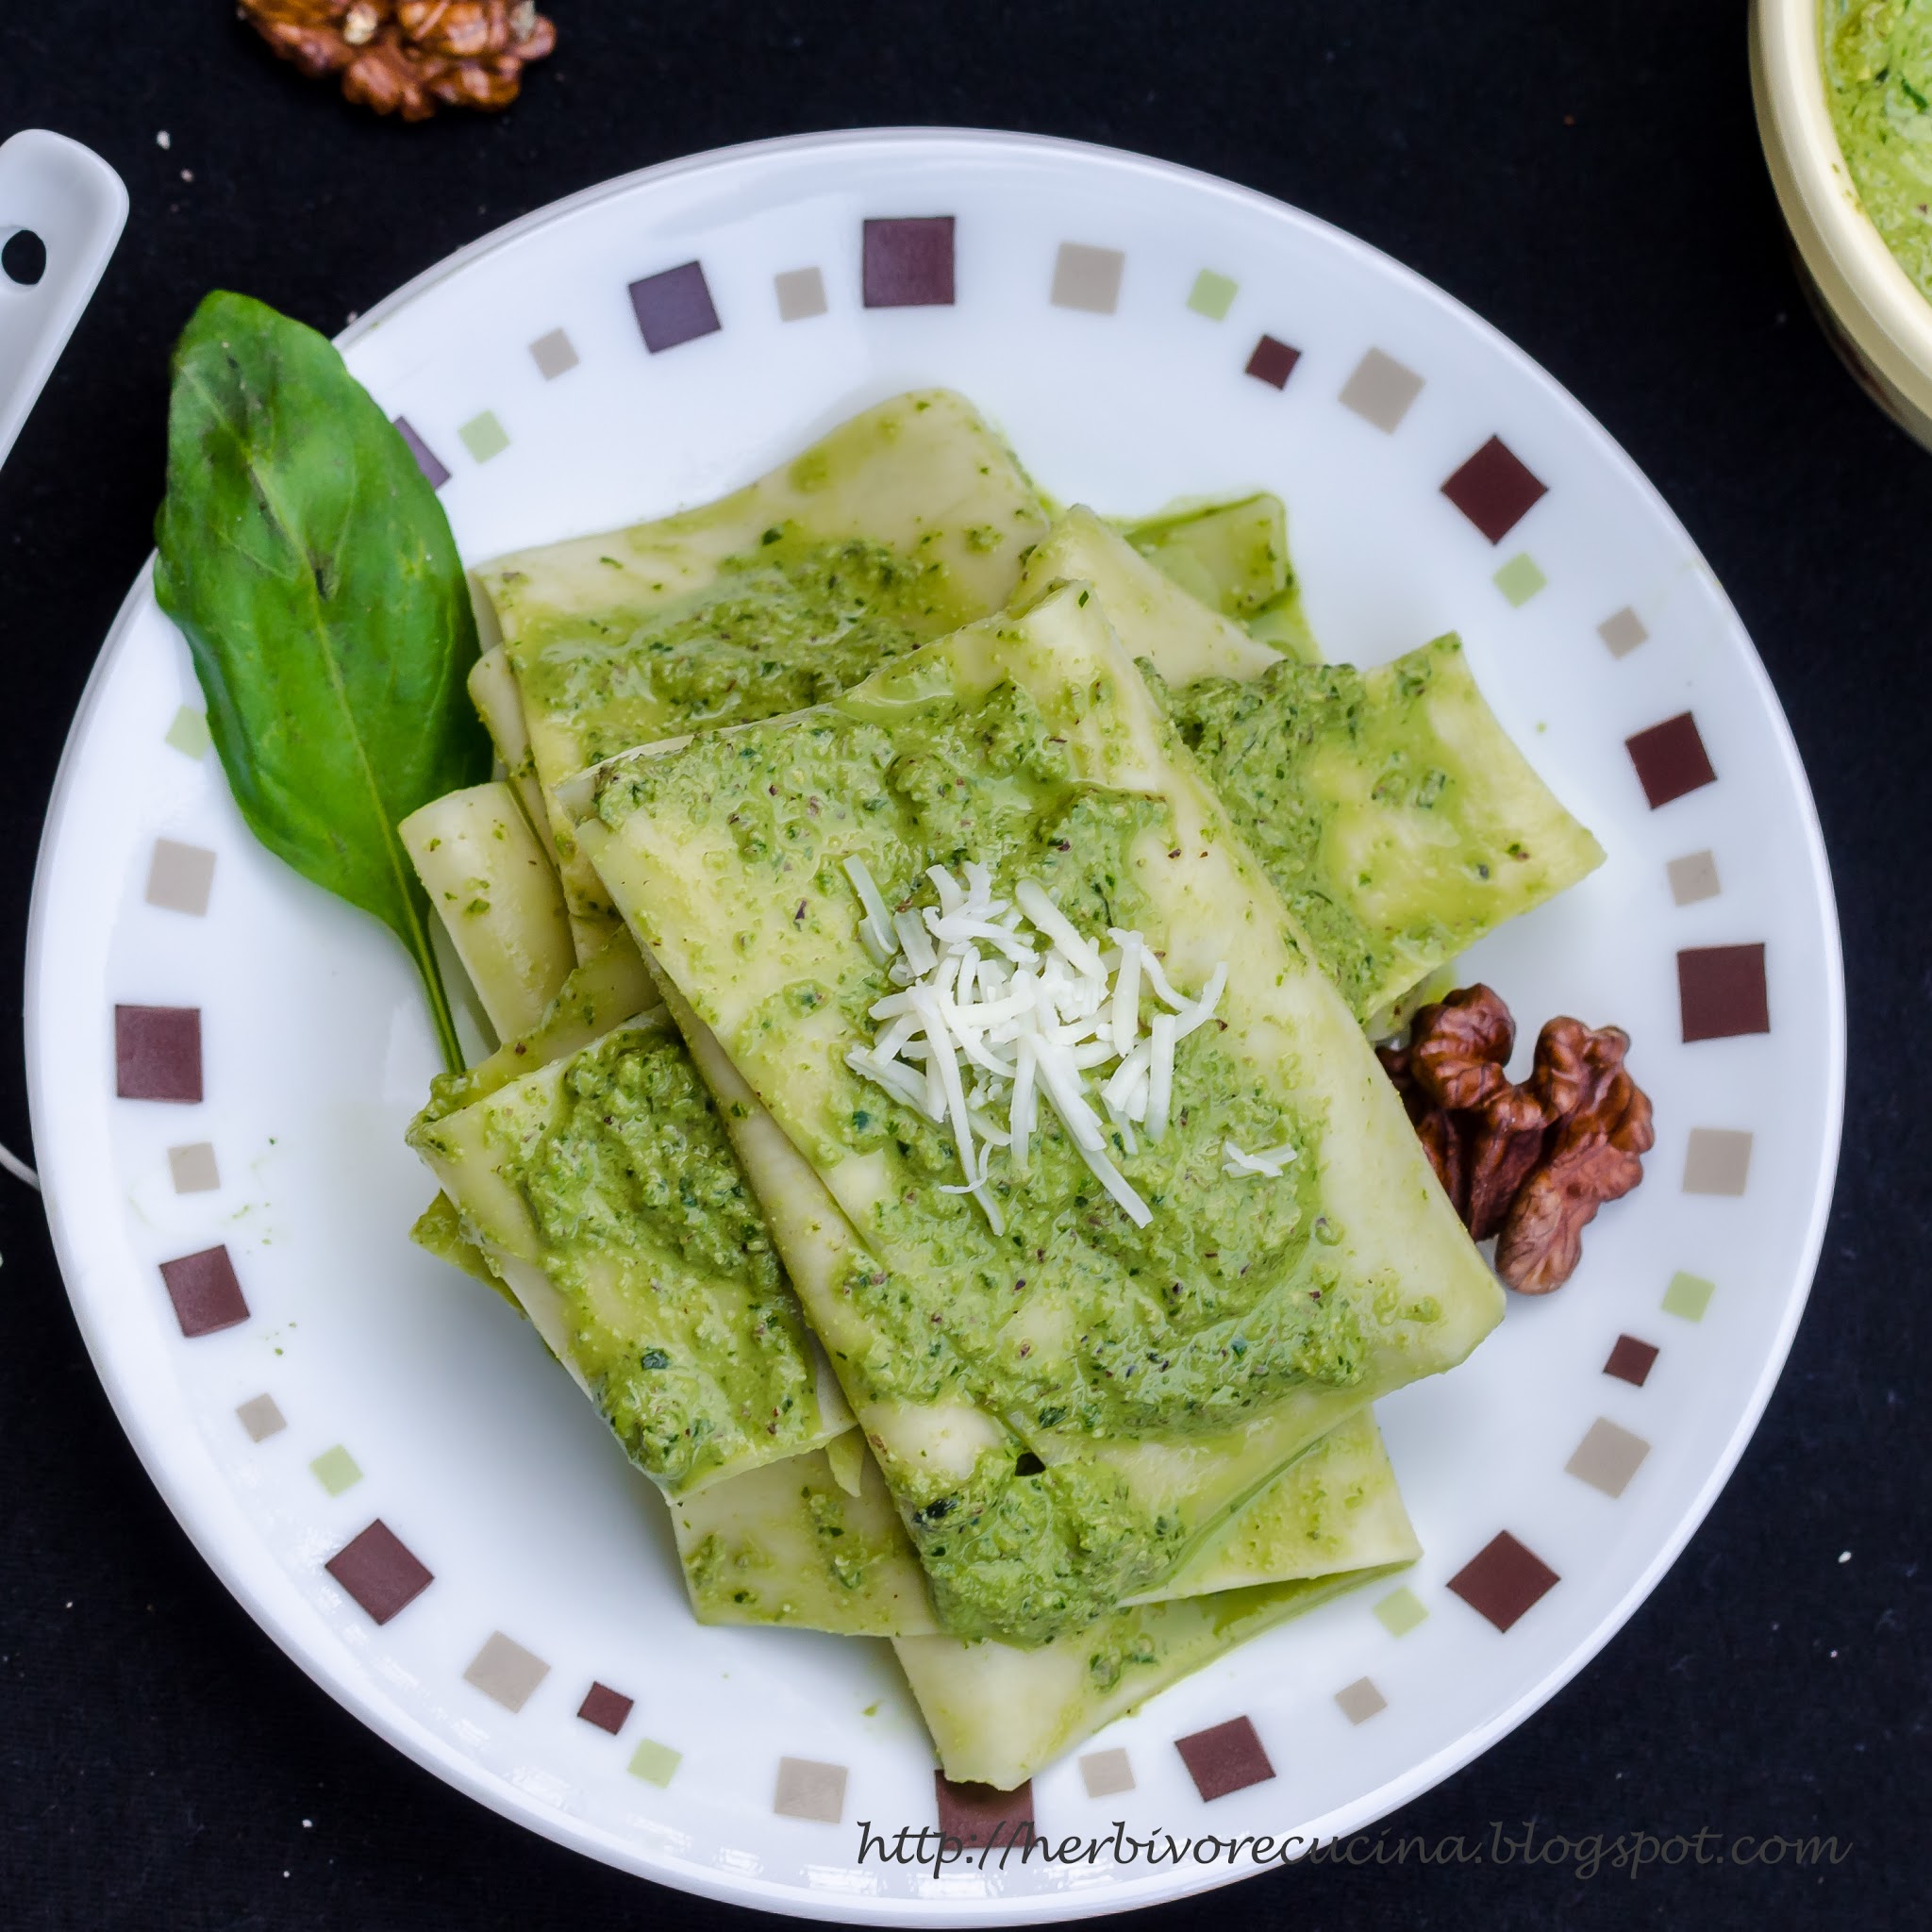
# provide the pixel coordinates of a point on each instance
(983, 1814)
(206, 1293)
(426, 456)
(1227, 1758)
(1722, 991)
(1631, 1361)
(1502, 1579)
(674, 307)
(605, 1708)
(1272, 361)
(1495, 489)
(1670, 759)
(908, 263)
(380, 1570)
(158, 1053)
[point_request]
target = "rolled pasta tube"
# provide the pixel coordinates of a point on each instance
(497, 895)
(500, 704)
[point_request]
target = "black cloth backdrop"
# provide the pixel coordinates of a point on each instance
(1586, 177)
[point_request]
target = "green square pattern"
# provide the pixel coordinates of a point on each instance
(1212, 295)
(1688, 1295)
(655, 1763)
(1400, 1611)
(188, 734)
(484, 436)
(336, 1471)
(1520, 579)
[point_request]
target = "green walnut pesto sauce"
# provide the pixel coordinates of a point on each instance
(1073, 1323)
(682, 1320)
(1878, 77)
(791, 624)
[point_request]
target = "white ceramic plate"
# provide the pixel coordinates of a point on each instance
(1105, 311)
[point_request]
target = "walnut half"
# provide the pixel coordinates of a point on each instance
(402, 56)
(1529, 1164)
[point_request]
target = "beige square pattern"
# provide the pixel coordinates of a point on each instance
(1622, 632)
(262, 1418)
(181, 877)
(1104, 1772)
(801, 294)
(1381, 390)
(809, 1790)
(1607, 1457)
(1086, 277)
(1717, 1161)
(1361, 1701)
(1693, 878)
(194, 1168)
(555, 355)
(505, 1671)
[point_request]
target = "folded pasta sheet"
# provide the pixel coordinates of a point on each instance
(1233, 556)
(1069, 1404)
(1335, 1507)
(1390, 808)
(612, 986)
(789, 1543)
(439, 1231)
(602, 1190)
(1153, 616)
(904, 523)
(998, 1712)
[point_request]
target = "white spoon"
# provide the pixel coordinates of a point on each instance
(68, 197)
(75, 204)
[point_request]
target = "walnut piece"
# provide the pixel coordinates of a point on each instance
(402, 57)
(1529, 1164)
(1594, 1154)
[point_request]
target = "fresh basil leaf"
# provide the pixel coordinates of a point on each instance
(310, 566)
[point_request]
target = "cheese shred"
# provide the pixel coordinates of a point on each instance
(1005, 1005)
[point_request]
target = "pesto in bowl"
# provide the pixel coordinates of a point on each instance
(1878, 66)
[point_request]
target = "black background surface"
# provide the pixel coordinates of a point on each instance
(1589, 179)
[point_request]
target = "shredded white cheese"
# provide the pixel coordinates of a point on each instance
(1004, 1004)
(876, 928)
(1270, 1161)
